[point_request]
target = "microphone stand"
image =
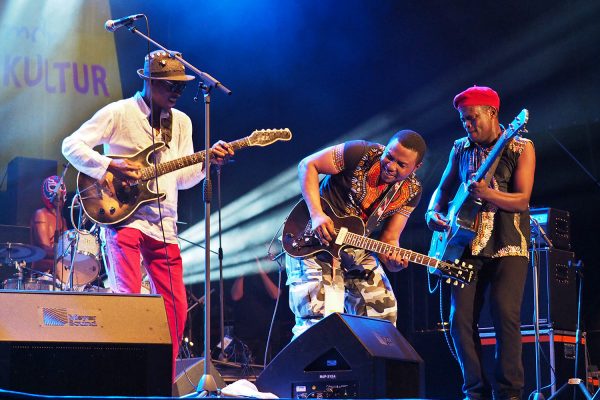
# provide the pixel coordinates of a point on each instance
(58, 220)
(537, 394)
(207, 383)
(221, 293)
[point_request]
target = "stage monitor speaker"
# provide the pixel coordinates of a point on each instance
(83, 344)
(24, 187)
(346, 356)
(188, 372)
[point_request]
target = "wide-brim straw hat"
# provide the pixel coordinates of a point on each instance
(160, 65)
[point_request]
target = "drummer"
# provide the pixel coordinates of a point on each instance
(43, 222)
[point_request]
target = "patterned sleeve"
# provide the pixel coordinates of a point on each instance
(414, 191)
(517, 144)
(338, 158)
(353, 152)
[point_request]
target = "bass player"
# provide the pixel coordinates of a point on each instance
(499, 248)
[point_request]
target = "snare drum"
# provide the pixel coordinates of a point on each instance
(86, 260)
(27, 284)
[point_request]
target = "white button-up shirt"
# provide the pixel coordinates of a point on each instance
(124, 129)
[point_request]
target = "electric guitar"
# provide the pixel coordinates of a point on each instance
(299, 241)
(113, 199)
(463, 209)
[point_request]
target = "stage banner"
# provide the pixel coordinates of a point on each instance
(57, 67)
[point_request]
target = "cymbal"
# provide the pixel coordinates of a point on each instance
(11, 252)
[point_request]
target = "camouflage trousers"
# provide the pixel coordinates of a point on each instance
(367, 290)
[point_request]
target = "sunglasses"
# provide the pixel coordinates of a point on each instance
(175, 87)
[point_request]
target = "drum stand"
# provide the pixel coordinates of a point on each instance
(74, 244)
(19, 274)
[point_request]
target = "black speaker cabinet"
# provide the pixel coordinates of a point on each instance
(557, 293)
(59, 343)
(556, 224)
(24, 187)
(346, 356)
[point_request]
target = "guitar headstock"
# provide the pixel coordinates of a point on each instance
(518, 125)
(458, 273)
(265, 137)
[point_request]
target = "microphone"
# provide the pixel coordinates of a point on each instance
(113, 24)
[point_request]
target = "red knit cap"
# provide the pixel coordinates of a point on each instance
(477, 96)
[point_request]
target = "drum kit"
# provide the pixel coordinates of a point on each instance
(78, 264)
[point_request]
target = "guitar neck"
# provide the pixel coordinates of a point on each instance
(352, 239)
(495, 153)
(186, 161)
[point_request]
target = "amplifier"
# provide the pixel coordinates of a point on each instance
(556, 224)
(557, 293)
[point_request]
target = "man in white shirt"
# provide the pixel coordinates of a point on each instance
(124, 128)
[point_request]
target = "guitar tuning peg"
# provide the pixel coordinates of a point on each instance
(457, 261)
(455, 283)
(464, 264)
(448, 280)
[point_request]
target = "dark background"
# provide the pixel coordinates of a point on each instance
(325, 69)
(329, 70)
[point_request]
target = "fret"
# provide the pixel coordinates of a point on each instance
(182, 162)
(356, 240)
(377, 246)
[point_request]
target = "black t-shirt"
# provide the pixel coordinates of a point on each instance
(356, 189)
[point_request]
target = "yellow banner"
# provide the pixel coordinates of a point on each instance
(57, 67)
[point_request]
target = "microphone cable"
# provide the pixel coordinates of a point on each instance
(158, 201)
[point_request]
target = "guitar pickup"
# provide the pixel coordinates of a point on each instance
(339, 239)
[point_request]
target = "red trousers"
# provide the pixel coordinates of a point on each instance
(125, 249)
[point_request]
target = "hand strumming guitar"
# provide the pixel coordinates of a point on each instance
(322, 225)
(124, 168)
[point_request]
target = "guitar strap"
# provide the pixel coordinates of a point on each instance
(166, 128)
(383, 205)
(492, 170)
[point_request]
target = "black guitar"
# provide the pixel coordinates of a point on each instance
(112, 200)
(463, 209)
(299, 241)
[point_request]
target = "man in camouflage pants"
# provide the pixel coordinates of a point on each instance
(376, 183)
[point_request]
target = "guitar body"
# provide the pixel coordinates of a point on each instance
(298, 239)
(449, 245)
(463, 210)
(112, 200)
